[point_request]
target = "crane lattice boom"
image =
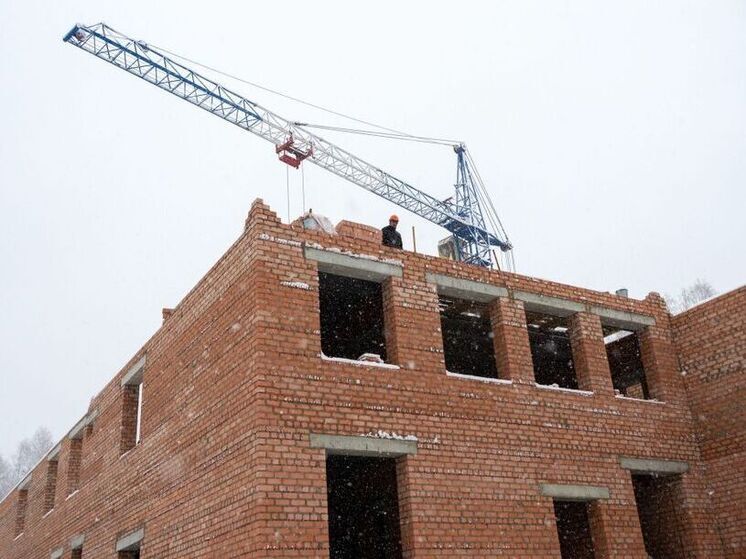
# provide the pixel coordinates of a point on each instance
(462, 217)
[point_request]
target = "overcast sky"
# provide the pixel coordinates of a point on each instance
(611, 136)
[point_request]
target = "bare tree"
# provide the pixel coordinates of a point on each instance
(6, 477)
(28, 453)
(699, 291)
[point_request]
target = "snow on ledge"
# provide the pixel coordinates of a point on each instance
(393, 261)
(296, 285)
(481, 379)
(561, 389)
(650, 400)
(317, 246)
(358, 363)
(311, 244)
(266, 237)
(393, 436)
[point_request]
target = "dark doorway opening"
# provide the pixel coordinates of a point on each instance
(625, 363)
(574, 529)
(659, 506)
(351, 317)
(467, 337)
(551, 351)
(363, 508)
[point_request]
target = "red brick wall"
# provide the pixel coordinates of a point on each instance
(234, 383)
(589, 353)
(51, 485)
(711, 344)
(508, 319)
(19, 514)
(74, 455)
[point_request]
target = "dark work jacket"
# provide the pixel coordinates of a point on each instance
(391, 238)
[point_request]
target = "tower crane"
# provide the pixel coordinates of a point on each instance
(465, 215)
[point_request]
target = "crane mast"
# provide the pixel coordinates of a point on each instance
(463, 217)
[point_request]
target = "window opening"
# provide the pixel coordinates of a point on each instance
(468, 343)
(131, 416)
(625, 362)
(574, 529)
(363, 506)
(659, 506)
(351, 317)
(551, 351)
(139, 413)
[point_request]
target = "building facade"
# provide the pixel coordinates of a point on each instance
(320, 395)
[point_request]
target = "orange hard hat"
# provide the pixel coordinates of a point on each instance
(394, 217)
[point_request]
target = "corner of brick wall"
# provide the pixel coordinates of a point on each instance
(710, 340)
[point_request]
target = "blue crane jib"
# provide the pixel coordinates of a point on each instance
(462, 214)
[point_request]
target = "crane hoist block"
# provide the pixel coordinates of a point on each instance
(290, 154)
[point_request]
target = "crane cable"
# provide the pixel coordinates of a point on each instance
(303, 186)
(287, 188)
(394, 133)
(491, 212)
(485, 194)
(390, 133)
(406, 137)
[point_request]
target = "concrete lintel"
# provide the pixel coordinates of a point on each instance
(573, 492)
(352, 266)
(653, 466)
(57, 553)
(25, 482)
(134, 375)
(551, 305)
(77, 431)
(92, 415)
(466, 289)
(362, 446)
(623, 319)
(76, 542)
(131, 541)
(54, 453)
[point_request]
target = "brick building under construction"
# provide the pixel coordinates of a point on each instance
(320, 395)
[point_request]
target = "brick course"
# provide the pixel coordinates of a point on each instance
(711, 345)
(234, 383)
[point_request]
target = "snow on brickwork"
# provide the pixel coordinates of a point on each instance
(296, 284)
(392, 436)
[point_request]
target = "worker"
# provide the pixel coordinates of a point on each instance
(391, 238)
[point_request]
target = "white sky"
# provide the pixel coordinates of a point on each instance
(611, 136)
